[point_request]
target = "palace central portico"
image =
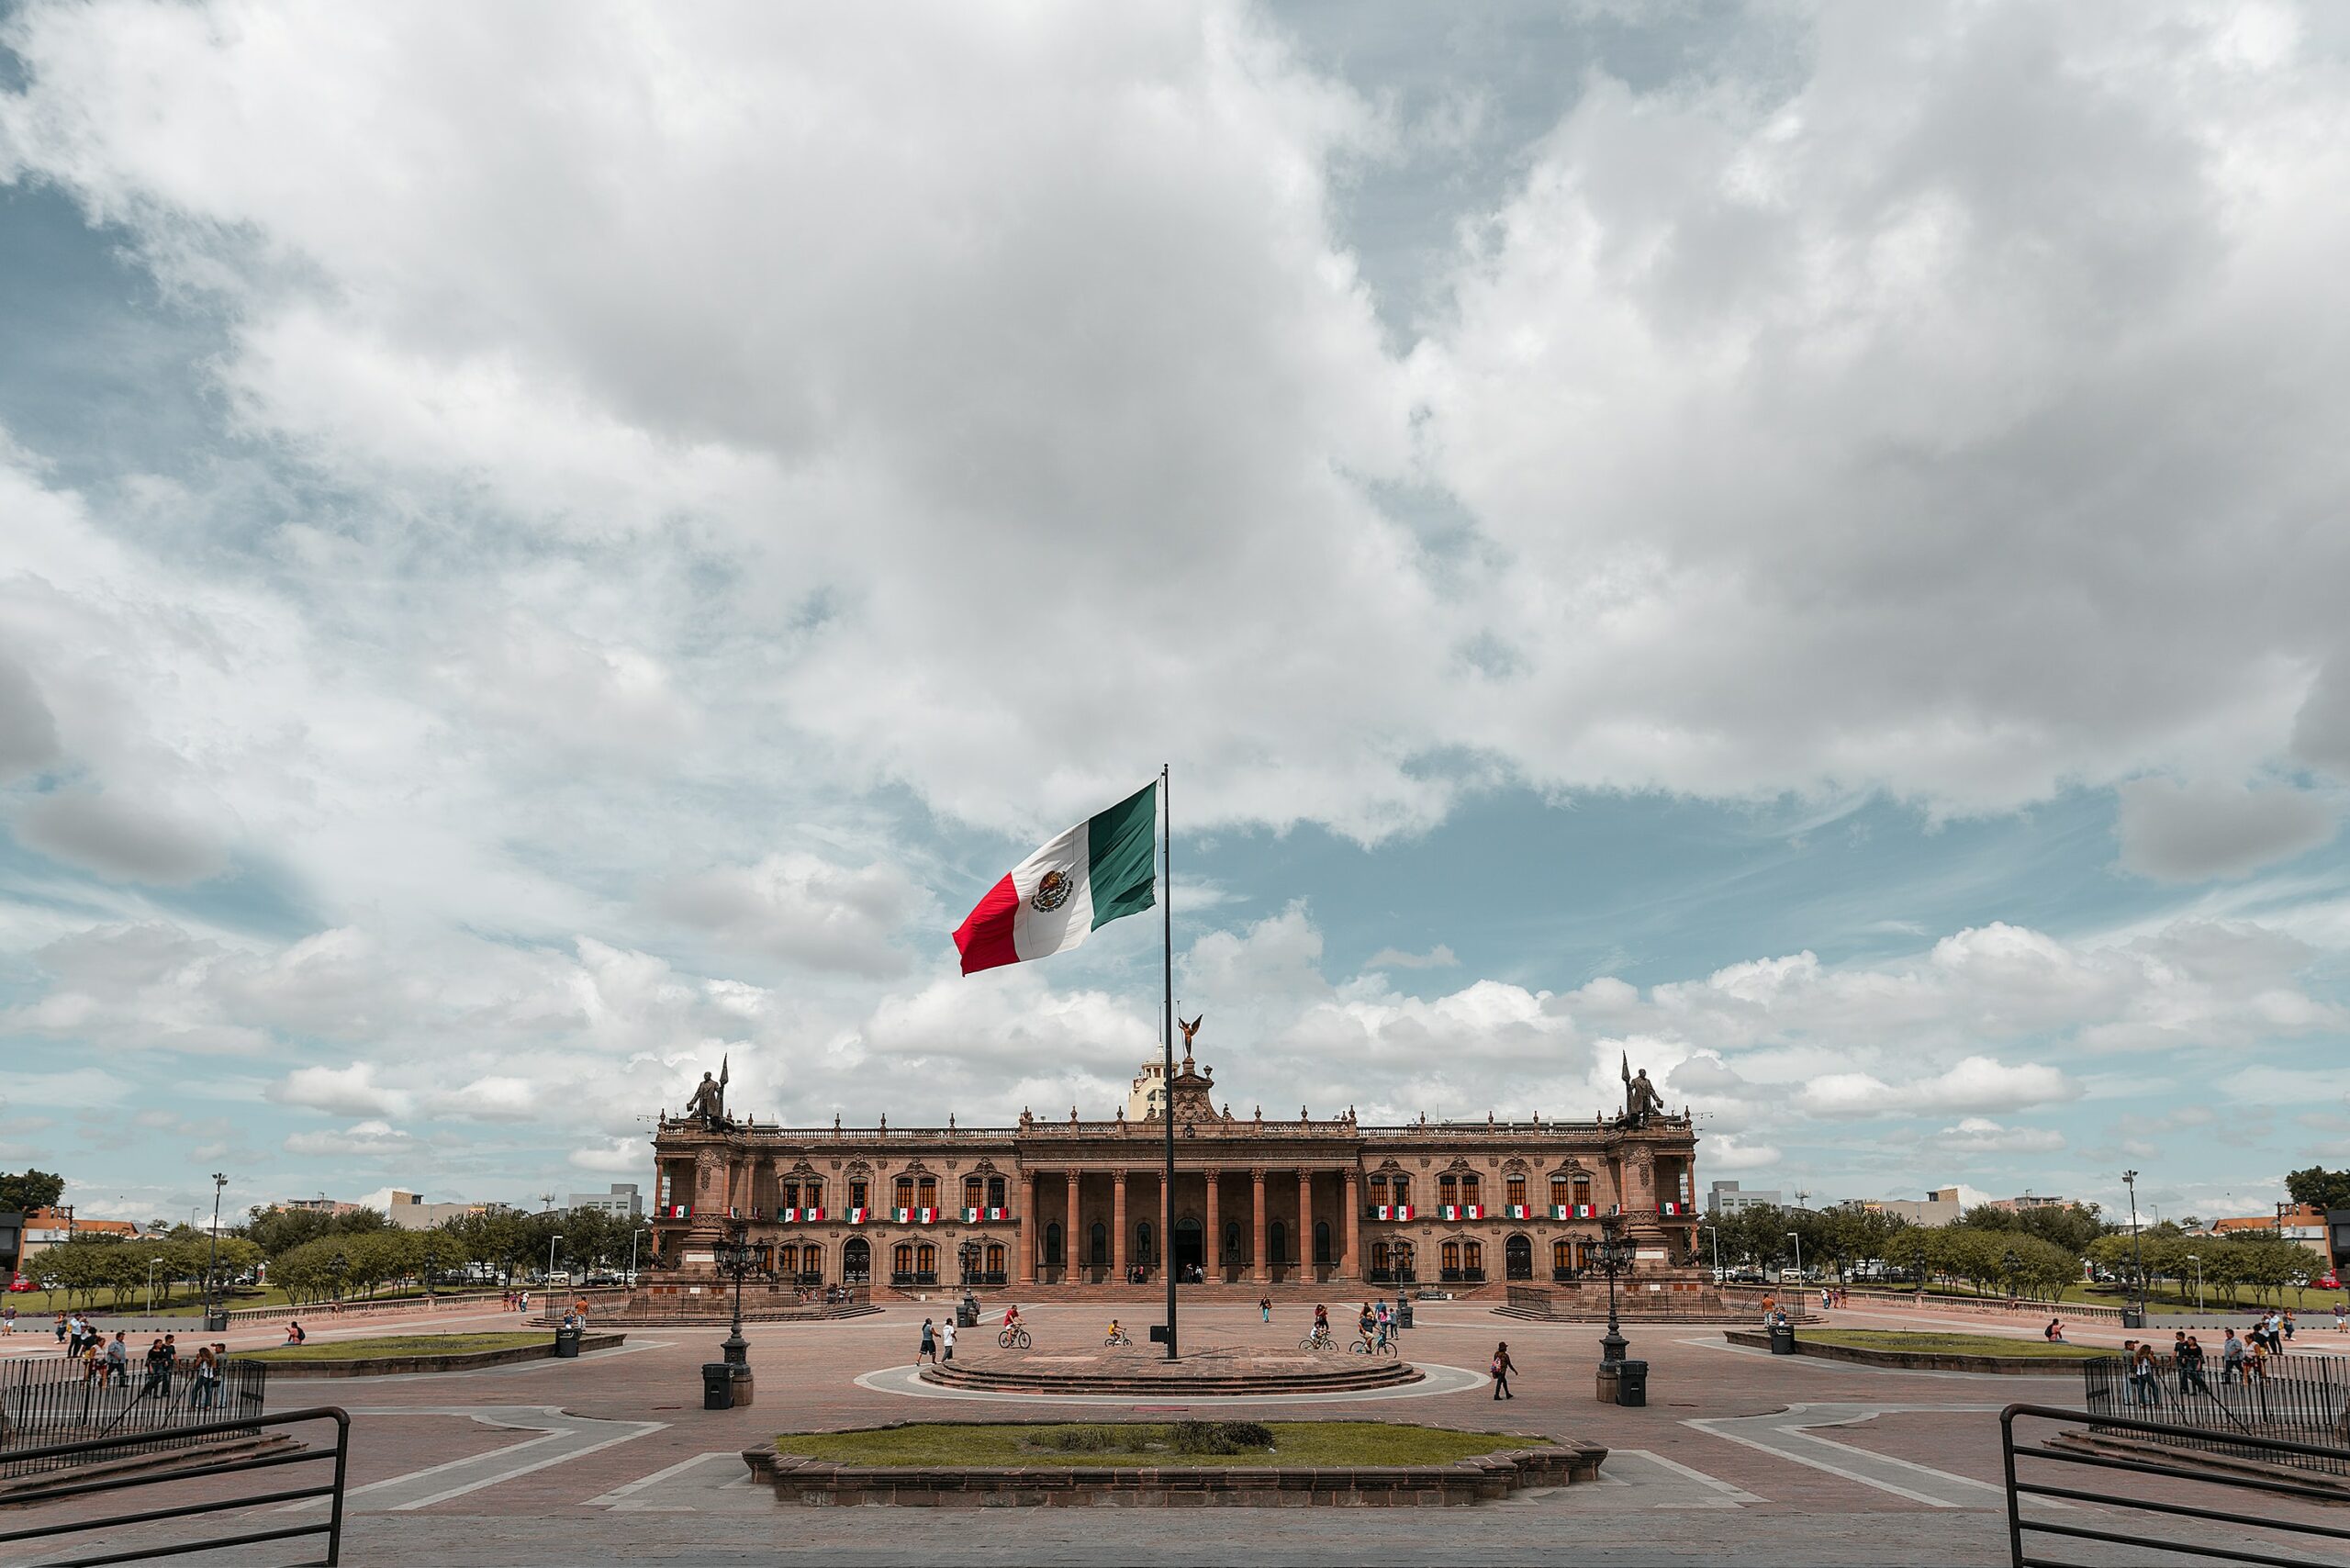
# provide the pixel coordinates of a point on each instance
(1257, 1201)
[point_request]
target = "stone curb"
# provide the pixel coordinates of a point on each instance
(1920, 1360)
(387, 1366)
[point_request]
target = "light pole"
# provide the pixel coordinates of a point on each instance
(151, 1282)
(631, 1253)
(215, 1319)
(551, 1245)
(2197, 1258)
(2137, 1261)
(1614, 1256)
(1797, 1239)
(733, 1257)
(1717, 1252)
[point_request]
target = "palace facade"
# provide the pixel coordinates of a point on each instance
(1256, 1201)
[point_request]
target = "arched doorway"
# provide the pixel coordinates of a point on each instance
(1517, 1258)
(1052, 1246)
(1322, 1241)
(1147, 1245)
(1098, 1246)
(1276, 1243)
(856, 1261)
(1191, 1250)
(1231, 1241)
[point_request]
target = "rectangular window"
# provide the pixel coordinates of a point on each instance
(1448, 1188)
(1400, 1191)
(857, 1191)
(996, 1192)
(904, 1189)
(1516, 1187)
(1563, 1257)
(791, 1195)
(1582, 1189)
(1469, 1190)
(1379, 1189)
(929, 1197)
(812, 1194)
(972, 1189)
(1560, 1192)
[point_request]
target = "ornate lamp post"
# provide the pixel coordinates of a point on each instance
(2137, 1259)
(969, 1256)
(212, 1265)
(736, 1258)
(1612, 1255)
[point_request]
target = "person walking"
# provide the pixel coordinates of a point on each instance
(2191, 1378)
(2231, 1358)
(60, 1325)
(2285, 1329)
(929, 1343)
(8, 1318)
(204, 1392)
(947, 1340)
(119, 1358)
(1265, 1308)
(1503, 1367)
(2342, 1317)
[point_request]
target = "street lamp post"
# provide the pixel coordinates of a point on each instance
(733, 1257)
(1797, 1239)
(631, 1253)
(2137, 1259)
(2197, 1258)
(1717, 1231)
(216, 1321)
(1614, 1256)
(151, 1263)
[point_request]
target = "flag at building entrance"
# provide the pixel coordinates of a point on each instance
(1098, 870)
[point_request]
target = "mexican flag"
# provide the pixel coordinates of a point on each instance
(917, 1217)
(1519, 1211)
(857, 1216)
(1393, 1211)
(1098, 870)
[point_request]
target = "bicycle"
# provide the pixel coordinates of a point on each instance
(1317, 1341)
(1012, 1339)
(1384, 1347)
(1117, 1338)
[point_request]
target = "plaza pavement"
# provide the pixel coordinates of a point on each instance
(1740, 1457)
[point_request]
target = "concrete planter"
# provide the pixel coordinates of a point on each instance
(388, 1366)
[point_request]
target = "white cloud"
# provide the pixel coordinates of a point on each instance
(343, 1092)
(2179, 832)
(105, 833)
(1980, 1135)
(802, 909)
(361, 1140)
(1976, 1083)
(1436, 957)
(622, 1156)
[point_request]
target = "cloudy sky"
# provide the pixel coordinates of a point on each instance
(544, 546)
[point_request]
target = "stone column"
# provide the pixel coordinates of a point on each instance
(1070, 1253)
(1257, 1225)
(1353, 1268)
(1023, 1231)
(1305, 1243)
(1118, 1225)
(1214, 1261)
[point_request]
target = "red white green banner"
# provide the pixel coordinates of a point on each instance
(1574, 1211)
(801, 1217)
(917, 1217)
(1520, 1211)
(1464, 1211)
(858, 1216)
(674, 1211)
(1098, 870)
(973, 1217)
(1671, 1208)
(1393, 1211)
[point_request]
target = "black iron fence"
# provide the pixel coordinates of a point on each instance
(166, 1531)
(46, 1401)
(2304, 1399)
(2097, 1483)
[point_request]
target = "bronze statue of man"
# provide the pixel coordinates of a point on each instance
(708, 1103)
(1641, 1099)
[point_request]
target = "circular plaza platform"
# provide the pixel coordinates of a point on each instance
(1142, 1371)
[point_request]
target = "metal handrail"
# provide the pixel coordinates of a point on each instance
(330, 1528)
(2240, 1548)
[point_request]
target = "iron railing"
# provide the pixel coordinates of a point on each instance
(2193, 1506)
(107, 1526)
(46, 1401)
(2305, 1399)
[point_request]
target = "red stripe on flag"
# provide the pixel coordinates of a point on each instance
(985, 936)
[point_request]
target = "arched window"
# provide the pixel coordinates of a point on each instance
(995, 1193)
(1232, 1241)
(901, 1193)
(974, 1192)
(1517, 1258)
(1145, 1251)
(1277, 1242)
(1098, 1245)
(1514, 1187)
(1378, 1188)
(812, 1258)
(788, 1195)
(1451, 1259)
(1052, 1246)
(902, 1262)
(926, 1192)
(787, 1257)
(1448, 1188)
(859, 1194)
(995, 1259)
(927, 1259)
(1401, 1187)
(1562, 1258)
(856, 1261)
(1560, 1192)
(1380, 1267)
(1472, 1259)
(811, 1194)
(1583, 1188)
(1321, 1241)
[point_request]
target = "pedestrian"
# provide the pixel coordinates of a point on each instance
(947, 1340)
(204, 1393)
(2055, 1332)
(8, 1318)
(2190, 1377)
(929, 1344)
(2342, 1317)
(60, 1324)
(119, 1358)
(157, 1381)
(1503, 1367)
(2287, 1329)
(2144, 1377)
(1265, 1308)
(2231, 1358)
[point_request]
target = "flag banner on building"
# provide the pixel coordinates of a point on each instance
(812, 1215)
(858, 1216)
(999, 1214)
(917, 1217)
(971, 1216)
(1519, 1211)
(1464, 1211)
(1394, 1211)
(1098, 870)
(676, 1211)
(1574, 1211)
(1671, 1208)
(801, 1216)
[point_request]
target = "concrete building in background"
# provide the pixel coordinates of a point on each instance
(1728, 1197)
(1939, 1206)
(331, 1207)
(410, 1211)
(2028, 1202)
(625, 1200)
(45, 1229)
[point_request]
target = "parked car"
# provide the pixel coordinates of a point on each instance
(22, 1283)
(2330, 1281)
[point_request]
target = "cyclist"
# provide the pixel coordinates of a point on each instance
(1366, 1326)
(1012, 1318)
(1321, 1324)
(1117, 1334)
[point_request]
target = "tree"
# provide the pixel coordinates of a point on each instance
(30, 1189)
(2326, 1189)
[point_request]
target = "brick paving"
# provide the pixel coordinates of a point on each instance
(627, 1467)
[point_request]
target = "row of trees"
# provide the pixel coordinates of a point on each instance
(123, 1272)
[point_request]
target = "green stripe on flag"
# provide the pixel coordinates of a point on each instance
(1121, 864)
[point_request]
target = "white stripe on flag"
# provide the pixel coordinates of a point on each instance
(1036, 933)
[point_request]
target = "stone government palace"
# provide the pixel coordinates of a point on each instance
(1256, 1202)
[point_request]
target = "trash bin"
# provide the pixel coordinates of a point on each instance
(2133, 1319)
(1402, 1311)
(216, 1323)
(566, 1344)
(967, 1314)
(718, 1385)
(1631, 1382)
(1782, 1339)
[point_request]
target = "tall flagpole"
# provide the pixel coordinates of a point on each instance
(1167, 1041)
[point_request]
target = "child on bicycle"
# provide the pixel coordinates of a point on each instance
(1321, 1321)
(1117, 1333)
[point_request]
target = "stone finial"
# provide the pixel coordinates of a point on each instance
(836, 1121)
(950, 1121)
(1261, 1113)
(1072, 1115)
(885, 1122)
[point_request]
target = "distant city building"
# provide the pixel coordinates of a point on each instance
(45, 1229)
(2305, 1224)
(1148, 1094)
(1939, 1206)
(623, 1202)
(408, 1211)
(1728, 1197)
(2028, 1201)
(328, 1206)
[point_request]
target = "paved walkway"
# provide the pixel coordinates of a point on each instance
(1738, 1457)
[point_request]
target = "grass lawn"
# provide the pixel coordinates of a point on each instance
(396, 1345)
(187, 1302)
(1950, 1344)
(1134, 1444)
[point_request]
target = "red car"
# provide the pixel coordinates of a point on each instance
(2329, 1280)
(22, 1283)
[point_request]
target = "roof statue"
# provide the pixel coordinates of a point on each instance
(708, 1103)
(1640, 1098)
